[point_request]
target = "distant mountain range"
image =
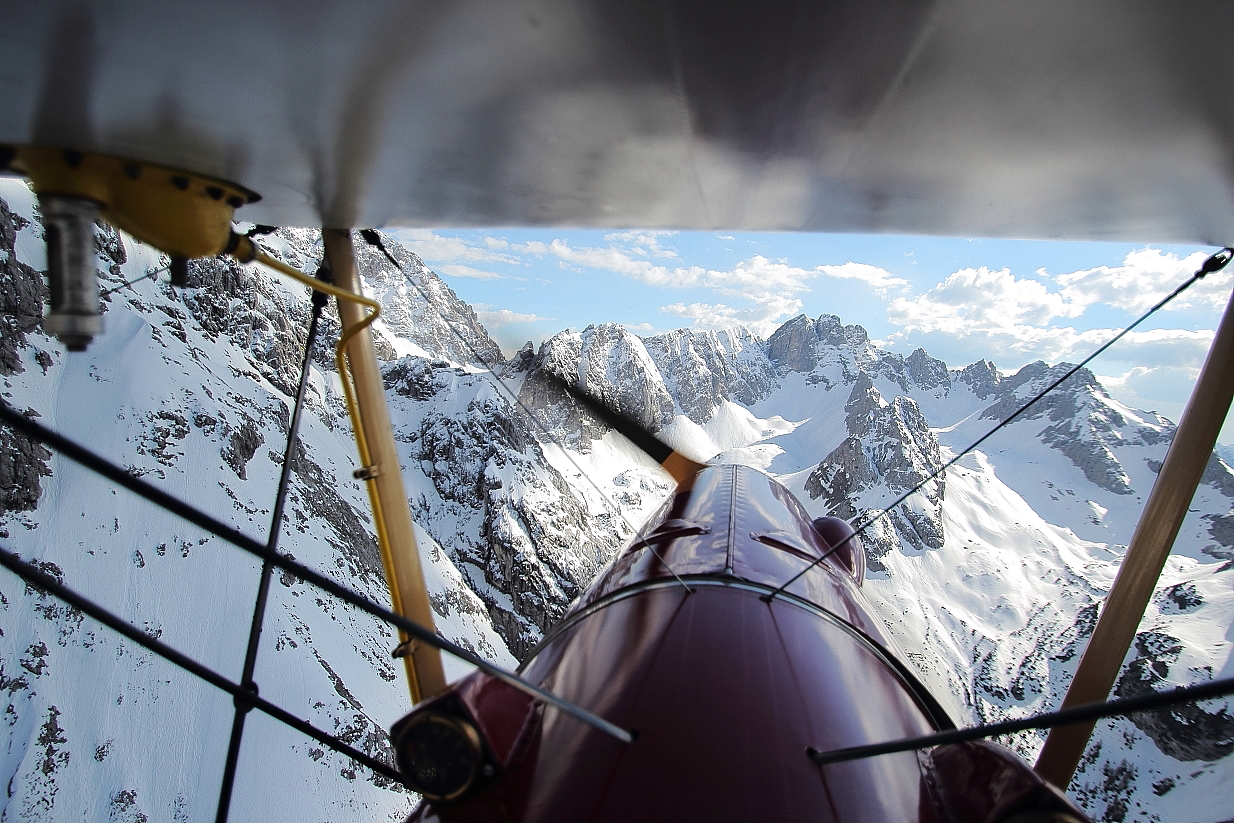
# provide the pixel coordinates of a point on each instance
(989, 578)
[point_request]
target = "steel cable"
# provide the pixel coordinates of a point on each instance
(1216, 262)
(41, 580)
(102, 466)
(263, 586)
(1048, 720)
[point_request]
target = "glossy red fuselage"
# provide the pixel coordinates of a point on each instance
(724, 688)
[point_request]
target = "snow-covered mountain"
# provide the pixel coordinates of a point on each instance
(989, 578)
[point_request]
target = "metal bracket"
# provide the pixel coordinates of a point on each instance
(367, 472)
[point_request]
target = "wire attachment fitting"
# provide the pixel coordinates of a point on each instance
(406, 648)
(367, 472)
(1216, 262)
(371, 237)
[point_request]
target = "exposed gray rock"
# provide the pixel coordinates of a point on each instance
(982, 377)
(791, 346)
(608, 363)
(1180, 598)
(1085, 427)
(22, 294)
(1221, 529)
(1185, 731)
(806, 346)
(110, 246)
(844, 474)
(926, 372)
(521, 361)
(416, 378)
(418, 306)
(245, 306)
(22, 463)
(1093, 458)
(537, 544)
(314, 497)
(703, 369)
(241, 447)
(1218, 475)
(891, 447)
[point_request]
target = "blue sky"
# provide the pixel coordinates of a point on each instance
(1009, 301)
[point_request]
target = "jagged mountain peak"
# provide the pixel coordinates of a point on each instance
(702, 369)
(836, 354)
(889, 450)
(420, 315)
(611, 364)
(982, 377)
(1083, 422)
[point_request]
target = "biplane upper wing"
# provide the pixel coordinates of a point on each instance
(1107, 119)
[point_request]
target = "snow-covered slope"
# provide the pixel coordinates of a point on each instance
(191, 390)
(989, 578)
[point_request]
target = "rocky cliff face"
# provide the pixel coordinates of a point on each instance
(524, 539)
(190, 389)
(700, 370)
(890, 449)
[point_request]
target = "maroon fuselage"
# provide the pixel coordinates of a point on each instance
(724, 688)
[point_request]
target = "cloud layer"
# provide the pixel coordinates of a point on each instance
(1033, 318)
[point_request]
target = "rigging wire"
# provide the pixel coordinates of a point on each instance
(102, 466)
(1063, 717)
(1215, 262)
(135, 281)
(373, 238)
(39, 579)
(263, 586)
(245, 693)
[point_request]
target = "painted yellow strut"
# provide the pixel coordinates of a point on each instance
(356, 361)
(189, 215)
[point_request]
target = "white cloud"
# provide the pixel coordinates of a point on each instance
(974, 301)
(459, 270)
(641, 328)
(614, 259)
(436, 249)
(762, 318)
(644, 242)
(879, 279)
(759, 278)
(1163, 389)
(495, 318)
(770, 286)
(1146, 276)
(1013, 319)
(1014, 345)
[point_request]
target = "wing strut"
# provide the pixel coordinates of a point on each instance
(1163, 515)
(384, 476)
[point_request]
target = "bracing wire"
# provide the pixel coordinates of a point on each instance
(1048, 720)
(1215, 262)
(41, 580)
(372, 237)
(135, 281)
(245, 693)
(100, 465)
(263, 586)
